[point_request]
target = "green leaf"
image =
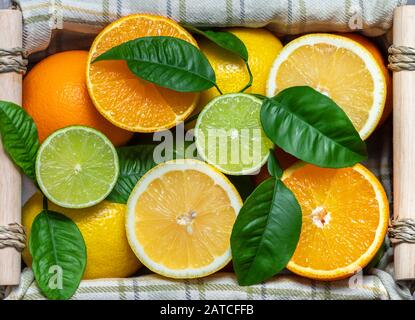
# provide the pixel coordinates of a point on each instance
(223, 39)
(274, 168)
(266, 232)
(134, 162)
(19, 135)
(227, 41)
(59, 255)
(166, 61)
(312, 127)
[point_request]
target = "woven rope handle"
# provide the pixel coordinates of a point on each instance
(13, 60)
(402, 230)
(401, 58)
(13, 235)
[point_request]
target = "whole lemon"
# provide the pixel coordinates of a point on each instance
(103, 228)
(230, 70)
(56, 96)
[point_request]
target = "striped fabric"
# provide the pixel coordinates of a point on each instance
(42, 19)
(220, 286)
(373, 17)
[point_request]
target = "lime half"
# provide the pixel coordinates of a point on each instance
(77, 167)
(229, 134)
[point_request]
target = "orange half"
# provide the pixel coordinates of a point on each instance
(120, 96)
(345, 219)
(180, 218)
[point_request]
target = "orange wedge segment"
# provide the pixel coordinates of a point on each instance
(338, 67)
(180, 218)
(345, 219)
(123, 98)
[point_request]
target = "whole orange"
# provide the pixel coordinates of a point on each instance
(55, 95)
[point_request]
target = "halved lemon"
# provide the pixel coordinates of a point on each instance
(338, 67)
(180, 218)
(345, 219)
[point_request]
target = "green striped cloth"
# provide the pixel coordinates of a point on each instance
(221, 286)
(42, 17)
(82, 19)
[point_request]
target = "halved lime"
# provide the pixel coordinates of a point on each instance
(77, 167)
(229, 134)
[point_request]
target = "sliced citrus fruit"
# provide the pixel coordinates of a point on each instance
(338, 67)
(123, 98)
(180, 218)
(229, 134)
(345, 218)
(77, 167)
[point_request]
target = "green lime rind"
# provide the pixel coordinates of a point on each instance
(77, 167)
(229, 134)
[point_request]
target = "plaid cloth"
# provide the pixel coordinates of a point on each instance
(222, 286)
(373, 17)
(81, 19)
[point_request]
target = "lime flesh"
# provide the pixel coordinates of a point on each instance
(229, 134)
(77, 167)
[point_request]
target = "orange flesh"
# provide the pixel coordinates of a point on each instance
(336, 72)
(335, 232)
(122, 97)
(184, 220)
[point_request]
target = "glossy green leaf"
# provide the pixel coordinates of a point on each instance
(19, 136)
(223, 39)
(274, 168)
(134, 162)
(266, 232)
(59, 255)
(312, 127)
(166, 61)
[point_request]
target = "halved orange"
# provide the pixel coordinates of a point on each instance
(345, 219)
(180, 218)
(338, 67)
(119, 95)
